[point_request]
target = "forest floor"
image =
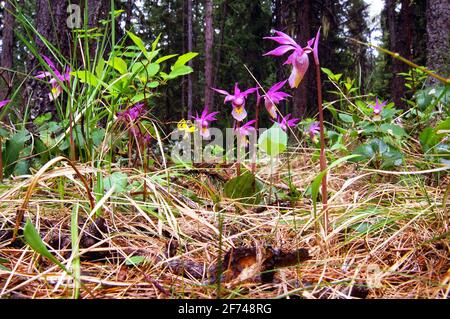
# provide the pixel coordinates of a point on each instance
(388, 236)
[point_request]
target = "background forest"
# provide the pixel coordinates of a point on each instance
(228, 34)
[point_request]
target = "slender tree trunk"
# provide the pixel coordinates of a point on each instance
(400, 41)
(438, 31)
(209, 38)
(98, 10)
(52, 25)
(189, 44)
(6, 60)
(224, 13)
(303, 31)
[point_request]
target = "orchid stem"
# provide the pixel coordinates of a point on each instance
(72, 144)
(238, 173)
(323, 160)
(1, 159)
(256, 130)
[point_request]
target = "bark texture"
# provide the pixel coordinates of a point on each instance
(6, 60)
(438, 31)
(209, 38)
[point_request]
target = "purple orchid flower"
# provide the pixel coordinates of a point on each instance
(132, 113)
(313, 130)
(316, 48)
(4, 102)
(274, 97)
(287, 121)
(204, 120)
(238, 101)
(298, 59)
(146, 138)
(378, 108)
(245, 130)
(54, 78)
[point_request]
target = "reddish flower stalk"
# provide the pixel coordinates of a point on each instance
(323, 159)
(1, 160)
(258, 102)
(238, 162)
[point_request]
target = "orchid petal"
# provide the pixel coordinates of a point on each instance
(316, 48)
(299, 68)
(287, 37)
(280, 50)
(239, 113)
(236, 90)
(280, 40)
(4, 102)
(52, 66)
(249, 91)
(221, 91)
(277, 86)
(270, 107)
(42, 75)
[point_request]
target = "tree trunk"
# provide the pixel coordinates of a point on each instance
(189, 47)
(223, 17)
(98, 9)
(400, 41)
(209, 37)
(52, 25)
(6, 60)
(303, 31)
(438, 28)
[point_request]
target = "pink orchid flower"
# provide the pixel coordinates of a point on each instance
(313, 130)
(54, 78)
(298, 58)
(238, 101)
(204, 120)
(4, 102)
(378, 108)
(287, 121)
(274, 97)
(245, 130)
(132, 113)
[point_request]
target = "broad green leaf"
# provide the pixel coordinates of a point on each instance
(118, 179)
(273, 141)
(364, 151)
(183, 59)
(245, 188)
(118, 64)
(155, 43)
(153, 84)
(139, 97)
(443, 126)
(40, 120)
(12, 150)
(33, 239)
(152, 69)
(135, 260)
(179, 71)
(394, 129)
(428, 139)
(346, 118)
(331, 75)
(86, 77)
(100, 67)
(315, 185)
(138, 42)
(97, 136)
(164, 58)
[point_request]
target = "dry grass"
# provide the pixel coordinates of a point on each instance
(403, 252)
